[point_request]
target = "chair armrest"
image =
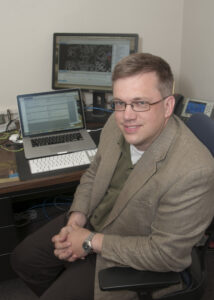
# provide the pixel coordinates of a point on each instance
(125, 278)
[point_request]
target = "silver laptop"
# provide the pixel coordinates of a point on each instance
(53, 123)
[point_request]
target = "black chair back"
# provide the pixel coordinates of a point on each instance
(203, 127)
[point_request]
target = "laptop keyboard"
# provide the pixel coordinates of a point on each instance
(62, 161)
(56, 139)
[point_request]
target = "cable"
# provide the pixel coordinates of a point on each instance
(9, 119)
(46, 204)
(70, 199)
(26, 217)
(98, 108)
(44, 210)
(4, 137)
(11, 150)
(91, 130)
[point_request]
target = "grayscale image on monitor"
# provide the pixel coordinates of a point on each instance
(86, 61)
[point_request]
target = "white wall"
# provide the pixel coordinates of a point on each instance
(197, 64)
(26, 28)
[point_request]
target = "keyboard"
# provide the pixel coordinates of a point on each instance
(62, 161)
(56, 139)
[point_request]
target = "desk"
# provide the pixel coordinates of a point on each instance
(12, 188)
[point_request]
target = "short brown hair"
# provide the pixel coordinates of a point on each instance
(144, 63)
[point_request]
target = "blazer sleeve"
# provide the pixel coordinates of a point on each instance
(181, 218)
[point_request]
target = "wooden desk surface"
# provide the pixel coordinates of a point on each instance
(10, 183)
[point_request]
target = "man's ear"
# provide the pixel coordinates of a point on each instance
(169, 106)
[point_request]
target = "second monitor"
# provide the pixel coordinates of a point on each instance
(86, 60)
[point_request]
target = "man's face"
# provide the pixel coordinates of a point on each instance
(141, 128)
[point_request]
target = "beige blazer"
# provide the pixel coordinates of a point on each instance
(163, 209)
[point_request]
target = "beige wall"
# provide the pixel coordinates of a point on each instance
(181, 31)
(197, 55)
(26, 28)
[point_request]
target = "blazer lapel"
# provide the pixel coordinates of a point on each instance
(146, 167)
(105, 173)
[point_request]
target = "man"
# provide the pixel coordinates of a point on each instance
(144, 202)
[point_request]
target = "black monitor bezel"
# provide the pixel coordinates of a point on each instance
(134, 38)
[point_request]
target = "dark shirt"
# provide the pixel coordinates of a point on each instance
(121, 173)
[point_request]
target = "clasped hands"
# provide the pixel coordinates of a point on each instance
(68, 243)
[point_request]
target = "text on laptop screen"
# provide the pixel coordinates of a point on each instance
(50, 112)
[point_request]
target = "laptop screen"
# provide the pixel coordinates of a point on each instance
(50, 112)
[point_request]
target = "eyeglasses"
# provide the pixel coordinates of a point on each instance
(138, 106)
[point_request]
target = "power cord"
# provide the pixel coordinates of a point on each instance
(31, 214)
(9, 117)
(6, 142)
(10, 121)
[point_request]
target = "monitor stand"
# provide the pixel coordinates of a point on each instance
(99, 115)
(99, 104)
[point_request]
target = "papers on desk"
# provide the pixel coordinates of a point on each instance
(8, 172)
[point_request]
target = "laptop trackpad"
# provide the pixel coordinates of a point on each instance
(58, 149)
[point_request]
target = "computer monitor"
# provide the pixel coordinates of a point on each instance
(86, 60)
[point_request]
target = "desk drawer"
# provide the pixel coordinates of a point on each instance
(8, 238)
(6, 271)
(6, 212)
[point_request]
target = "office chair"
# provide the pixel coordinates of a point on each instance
(203, 127)
(146, 282)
